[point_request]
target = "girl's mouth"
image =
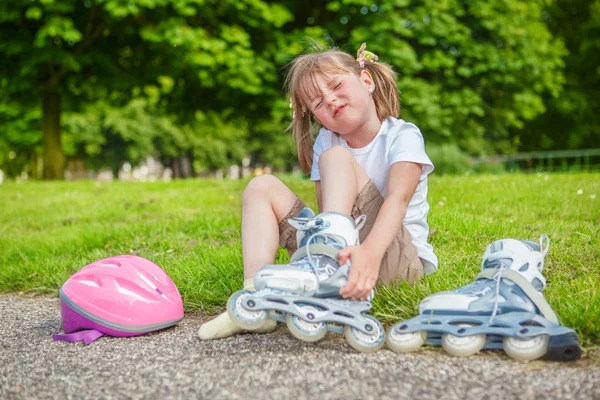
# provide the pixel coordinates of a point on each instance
(338, 110)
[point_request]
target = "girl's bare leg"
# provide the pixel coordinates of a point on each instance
(265, 203)
(342, 178)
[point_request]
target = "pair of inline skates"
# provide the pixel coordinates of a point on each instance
(502, 309)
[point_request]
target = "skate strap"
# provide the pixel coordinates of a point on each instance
(315, 249)
(88, 336)
(531, 292)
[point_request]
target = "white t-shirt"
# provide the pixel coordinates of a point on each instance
(397, 140)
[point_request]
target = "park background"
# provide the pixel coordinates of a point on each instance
(96, 90)
(197, 84)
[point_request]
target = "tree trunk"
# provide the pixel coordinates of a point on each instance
(176, 168)
(115, 172)
(191, 160)
(186, 170)
(34, 166)
(53, 156)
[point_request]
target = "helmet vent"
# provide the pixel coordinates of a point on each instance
(150, 279)
(89, 283)
(88, 280)
(134, 290)
(111, 263)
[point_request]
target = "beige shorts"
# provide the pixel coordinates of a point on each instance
(401, 261)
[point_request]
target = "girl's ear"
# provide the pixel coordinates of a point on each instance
(366, 78)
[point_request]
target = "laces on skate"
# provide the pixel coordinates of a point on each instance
(328, 269)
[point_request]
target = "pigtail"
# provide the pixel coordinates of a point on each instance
(386, 94)
(303, 131)
(301, 125)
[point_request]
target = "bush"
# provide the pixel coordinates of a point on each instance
(448, 159)
(489, 168)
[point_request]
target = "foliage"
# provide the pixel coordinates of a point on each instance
(202, 79)
(484, 167)
(20, 141)
(212, 57)
(449, 159)
(106, 137)
(270, 142)
(573, 118)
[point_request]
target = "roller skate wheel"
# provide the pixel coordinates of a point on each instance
(463, 346)
(366, 342)
(241, 316)
(305, 330)
(405, 342)
(526, 350)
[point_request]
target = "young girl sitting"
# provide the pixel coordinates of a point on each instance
(364, 161)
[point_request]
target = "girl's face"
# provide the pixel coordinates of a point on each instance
(343, 102)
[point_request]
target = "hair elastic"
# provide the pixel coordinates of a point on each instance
(363, 55)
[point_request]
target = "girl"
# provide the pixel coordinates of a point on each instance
(364, 161)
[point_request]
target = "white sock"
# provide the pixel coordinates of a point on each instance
(222, 326)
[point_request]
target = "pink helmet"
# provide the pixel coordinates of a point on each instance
(118, 296)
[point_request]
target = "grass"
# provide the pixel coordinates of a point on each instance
(191, 229)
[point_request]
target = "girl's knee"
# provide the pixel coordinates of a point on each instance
(260, 185)
(335, 153)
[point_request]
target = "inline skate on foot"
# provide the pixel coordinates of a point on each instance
(305, 293)
(504, 308)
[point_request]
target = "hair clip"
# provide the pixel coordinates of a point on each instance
(363, 55)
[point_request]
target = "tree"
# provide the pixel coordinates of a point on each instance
(202, 80)
(71, 53)
(573, 119)
(19, 139)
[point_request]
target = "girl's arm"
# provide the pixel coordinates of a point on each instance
(402, 184)
(366, 258)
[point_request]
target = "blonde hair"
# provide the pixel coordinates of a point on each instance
(306, 67)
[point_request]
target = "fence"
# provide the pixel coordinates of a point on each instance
(547, 161)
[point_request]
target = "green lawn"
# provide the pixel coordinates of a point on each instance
(192, 230)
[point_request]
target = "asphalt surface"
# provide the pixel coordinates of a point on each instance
(176, 364)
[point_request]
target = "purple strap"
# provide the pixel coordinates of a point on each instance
(87, 336)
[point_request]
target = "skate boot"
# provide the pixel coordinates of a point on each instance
(305, 293)
(504, 308)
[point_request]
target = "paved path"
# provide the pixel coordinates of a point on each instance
(175, 364)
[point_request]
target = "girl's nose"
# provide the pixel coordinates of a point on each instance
(331, 99)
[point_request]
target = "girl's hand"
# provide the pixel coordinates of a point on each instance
(363, 273)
